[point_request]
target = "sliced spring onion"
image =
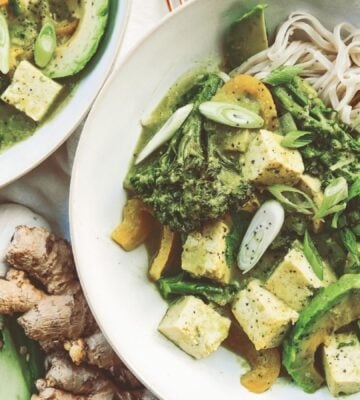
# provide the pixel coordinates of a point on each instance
(282, 75)
(231, 115)
(166, 132)
(263, 229)
(293, 199)
(335, 196)
(313, 256)
(225, 77)
(4, 45)
(45, 44)
(297, 139)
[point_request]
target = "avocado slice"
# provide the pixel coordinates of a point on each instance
(72, 56)
(335, 306)
(18, 372)
(245, 37)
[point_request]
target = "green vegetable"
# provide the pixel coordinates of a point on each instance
(335, 196)
(334, 152)
(45, 44)
(287, 124)
(73, 55)
(293, 199)
(181, 285)
(246, 37)
(231, 115)
(313, 256)
(4, 45)
(349, 241)
(332, 308)
(166, 132)
(189, 181)
(19, 370)
(297, 139)
(282, 75)
(354, 190)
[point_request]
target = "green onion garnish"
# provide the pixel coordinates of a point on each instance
(45, 44)
(4, 45)
(231, 115)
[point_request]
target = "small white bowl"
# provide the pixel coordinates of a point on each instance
(25, 155)
(125, 304)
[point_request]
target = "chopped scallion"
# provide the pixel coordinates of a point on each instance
(313, 256)
(231, 115)
(4, 45)
(166, 132)
(293, 199)
(263, 229)
(45, 44)
(297, 139)
(335, 196)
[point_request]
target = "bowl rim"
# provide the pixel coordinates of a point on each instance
(121, 22)
(74, 176)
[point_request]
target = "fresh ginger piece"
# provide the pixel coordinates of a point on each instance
(135, 227)
(250, 86)
(161, 259)
(265, 364)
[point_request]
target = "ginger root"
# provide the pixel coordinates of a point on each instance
(94, 350)
(59, 318)
(17, 294)
(46, 258)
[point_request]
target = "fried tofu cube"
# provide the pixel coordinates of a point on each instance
(294, 280)
(264, 318)
(204, 253)
(195, 327)
(31, 91)
(341, 355)
(268, 163)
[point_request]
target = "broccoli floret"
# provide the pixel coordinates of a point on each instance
(190, 182)
(335, 150)
(181, 285)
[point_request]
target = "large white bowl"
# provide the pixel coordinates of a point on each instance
(127, 307)
(27, 154)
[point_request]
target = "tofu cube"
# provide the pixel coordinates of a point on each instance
(264, 318)
(31, 91)
(195, 327)
(204, 253)
(341, 355)
(294, 280)
(312, 187)
(268, 163)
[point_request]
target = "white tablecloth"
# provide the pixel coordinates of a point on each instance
(46, 189)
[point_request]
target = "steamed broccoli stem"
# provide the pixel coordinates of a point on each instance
(180, 286)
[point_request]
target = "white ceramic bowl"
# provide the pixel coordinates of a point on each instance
(27, 154)
(128, 307)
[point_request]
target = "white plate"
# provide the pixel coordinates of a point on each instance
(27, 154)
(127, 307)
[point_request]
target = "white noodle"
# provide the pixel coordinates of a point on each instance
(330, 60)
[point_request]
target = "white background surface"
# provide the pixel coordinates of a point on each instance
(46, 188)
